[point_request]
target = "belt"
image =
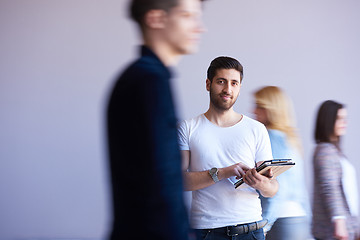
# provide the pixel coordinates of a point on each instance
(242, 228)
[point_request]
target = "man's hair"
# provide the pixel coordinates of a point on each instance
(325, 121)
(138, 8)
(224, 63)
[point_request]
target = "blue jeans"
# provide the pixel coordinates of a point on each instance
(212, 234)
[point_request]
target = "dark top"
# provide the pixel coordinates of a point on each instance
(144, 154)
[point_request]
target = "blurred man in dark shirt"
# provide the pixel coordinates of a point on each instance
(142, 135)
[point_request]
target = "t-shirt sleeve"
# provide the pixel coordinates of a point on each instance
(183, 136)
(263, 149)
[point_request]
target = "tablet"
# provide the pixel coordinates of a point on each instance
(278, 166)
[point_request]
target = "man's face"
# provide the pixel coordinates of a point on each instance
(183, 27)
(224, 88)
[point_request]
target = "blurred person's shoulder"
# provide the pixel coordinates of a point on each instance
(278, 138)
(277, 134)
(146, 67)
(325, 146)
(324, 149)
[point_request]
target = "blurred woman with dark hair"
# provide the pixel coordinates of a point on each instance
(335, 203)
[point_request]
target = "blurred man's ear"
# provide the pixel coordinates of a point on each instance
(155, 19)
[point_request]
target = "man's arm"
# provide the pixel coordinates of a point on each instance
(202, 179)
(267, 186)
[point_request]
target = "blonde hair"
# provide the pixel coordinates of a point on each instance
(280, 113)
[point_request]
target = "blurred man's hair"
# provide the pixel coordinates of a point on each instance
(138, 8)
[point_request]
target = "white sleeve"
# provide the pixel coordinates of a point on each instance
(183, 136)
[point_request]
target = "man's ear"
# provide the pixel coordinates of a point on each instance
(208, 84)
(155, 18)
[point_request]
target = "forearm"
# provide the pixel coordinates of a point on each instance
(199, 180)
(270, 189)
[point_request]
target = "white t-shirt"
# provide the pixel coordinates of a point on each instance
(211, 146)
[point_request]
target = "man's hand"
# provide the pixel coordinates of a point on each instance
(267, 186)
(256, 180)
(238, 170)
(198, 180)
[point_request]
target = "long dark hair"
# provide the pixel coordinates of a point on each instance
(325, 122)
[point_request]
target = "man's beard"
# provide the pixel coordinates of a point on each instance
(218, 103)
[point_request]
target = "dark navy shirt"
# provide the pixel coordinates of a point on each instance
(144, 154)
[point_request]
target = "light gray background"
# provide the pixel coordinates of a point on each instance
(58, 60)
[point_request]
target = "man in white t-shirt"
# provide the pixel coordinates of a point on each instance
(218, 147)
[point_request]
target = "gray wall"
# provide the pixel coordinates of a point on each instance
(58, 60)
